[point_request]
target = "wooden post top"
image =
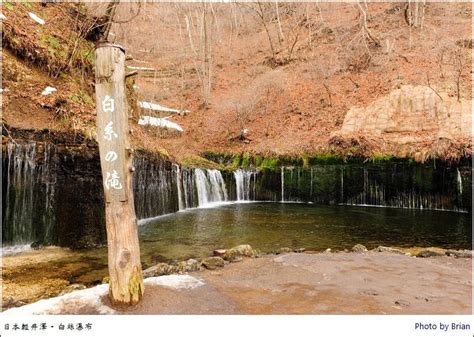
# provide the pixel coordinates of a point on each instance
(109, 44)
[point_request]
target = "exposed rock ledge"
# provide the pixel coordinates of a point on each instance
(411, 114)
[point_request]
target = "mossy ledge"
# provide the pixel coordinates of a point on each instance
(231, 162)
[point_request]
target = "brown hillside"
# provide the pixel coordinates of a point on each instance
(326, 61)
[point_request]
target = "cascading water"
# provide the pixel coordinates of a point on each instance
(210, 187)
(155, 187)
(282, 184)
(459, 181)
(217, 184)
(18, 222)
(29, 196)
(242, 184)
(179, 179)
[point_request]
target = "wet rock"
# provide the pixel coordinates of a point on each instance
(188, 266)
(381, 249)
(238, 251)
(284, 250)
(71, 288)
(460, 253)
(300, 250)
(36, 245)
(213, 262)
(219, 252)
(159, 270)
(106, 279)
(428, 253)
(327, 251)
(402, 303)
(358, 248)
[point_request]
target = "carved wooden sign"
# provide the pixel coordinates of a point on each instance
(112, 126)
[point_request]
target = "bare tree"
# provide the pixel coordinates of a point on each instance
(364, 10)
(262, 13)
(459, 66)
(414, 13)
(202, 48)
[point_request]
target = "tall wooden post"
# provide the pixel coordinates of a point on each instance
(125, 272)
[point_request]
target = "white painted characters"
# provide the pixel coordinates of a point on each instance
(111, 156)
(113, 181)
(108, 104)
(109, 131)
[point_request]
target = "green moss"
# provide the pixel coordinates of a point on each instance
(245, 161)
(235, 162)
(63, 75)
(27, 4)
(82, 97)
(258, 161)
(382, 158)
(8, 5)
(52, 42)
(196, 161)
(325, 158)
(305, 162)
(270, 163)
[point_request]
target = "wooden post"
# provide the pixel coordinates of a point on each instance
(125, 272)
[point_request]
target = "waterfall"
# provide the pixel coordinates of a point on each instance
(181, 204)
(52, 194)
(188, 188)
(282, 184)
(459, 181)
(49, 180)
(18, 224)
(210, 187)
(217, 184)
(242, 184)
(342, 183)
(29, 194)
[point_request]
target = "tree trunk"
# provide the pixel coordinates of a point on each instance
(126, 280)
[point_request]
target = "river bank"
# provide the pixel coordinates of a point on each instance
(381, 281)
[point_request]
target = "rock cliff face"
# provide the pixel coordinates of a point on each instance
(411, 114)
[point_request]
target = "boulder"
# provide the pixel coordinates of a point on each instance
(460, 253)
(358, 248)
(213, 262)
(159, 270)
(381, 249)
(284, 250)
(238, 251)
(188, 266)
(428, 253)
(219, 252)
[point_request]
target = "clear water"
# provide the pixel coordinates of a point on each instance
(269, 226)
(266, 226)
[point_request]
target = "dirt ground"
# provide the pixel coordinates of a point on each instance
(335, 283)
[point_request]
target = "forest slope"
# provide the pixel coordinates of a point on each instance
(275, 80)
